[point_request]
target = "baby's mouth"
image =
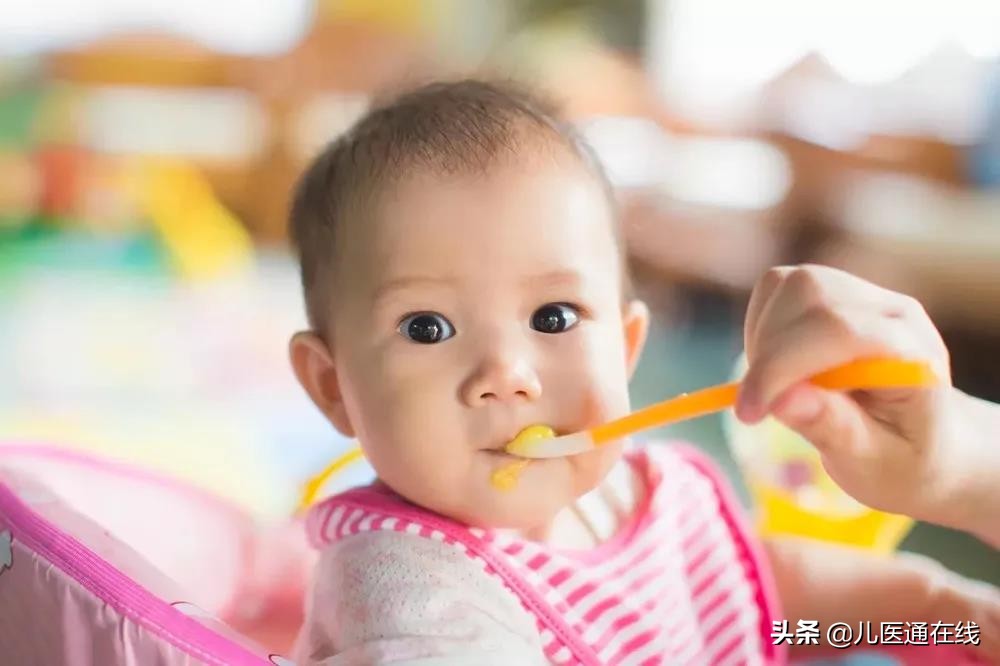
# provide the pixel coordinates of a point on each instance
(499, 449)
(505, 477)
(501, 454)
(521, 440)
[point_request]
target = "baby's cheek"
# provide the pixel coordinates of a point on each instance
(395, 430)
(605, 378)
(594, 411)
(405, 402)
(597, 404)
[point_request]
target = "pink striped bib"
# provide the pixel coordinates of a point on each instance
(681, 583)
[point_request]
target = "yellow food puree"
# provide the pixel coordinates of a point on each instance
(506, 477)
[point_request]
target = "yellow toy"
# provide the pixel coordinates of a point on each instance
(312, 488)
(202, 237)
(793, 494)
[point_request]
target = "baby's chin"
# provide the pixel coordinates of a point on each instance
(512, 512)
(541, 491)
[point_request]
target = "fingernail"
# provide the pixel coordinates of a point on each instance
(748, 410)
(803, 407)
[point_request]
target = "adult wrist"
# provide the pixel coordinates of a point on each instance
(972, 454)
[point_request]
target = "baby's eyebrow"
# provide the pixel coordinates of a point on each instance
(555, 278)
(408, 281)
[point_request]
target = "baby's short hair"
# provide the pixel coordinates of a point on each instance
(444, 127)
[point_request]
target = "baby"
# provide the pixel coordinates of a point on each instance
(465, 277)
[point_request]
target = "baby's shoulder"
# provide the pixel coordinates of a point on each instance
(402, 579)
(383, 555)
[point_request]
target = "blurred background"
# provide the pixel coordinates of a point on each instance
(147, 151)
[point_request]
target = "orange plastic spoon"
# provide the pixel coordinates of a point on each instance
(857, 375)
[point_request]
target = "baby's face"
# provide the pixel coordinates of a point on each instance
(470, 308)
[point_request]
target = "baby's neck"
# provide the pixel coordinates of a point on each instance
(595, 517)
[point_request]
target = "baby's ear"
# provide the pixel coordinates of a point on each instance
(635, 323)
(315, 370)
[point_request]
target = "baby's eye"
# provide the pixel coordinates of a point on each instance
(555, 318)
(426, 328)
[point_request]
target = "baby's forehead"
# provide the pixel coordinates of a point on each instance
(499, 232)
(533, 201)
(536, 213)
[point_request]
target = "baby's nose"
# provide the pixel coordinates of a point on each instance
(502, 380)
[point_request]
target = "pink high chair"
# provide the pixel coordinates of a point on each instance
(106, 564)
